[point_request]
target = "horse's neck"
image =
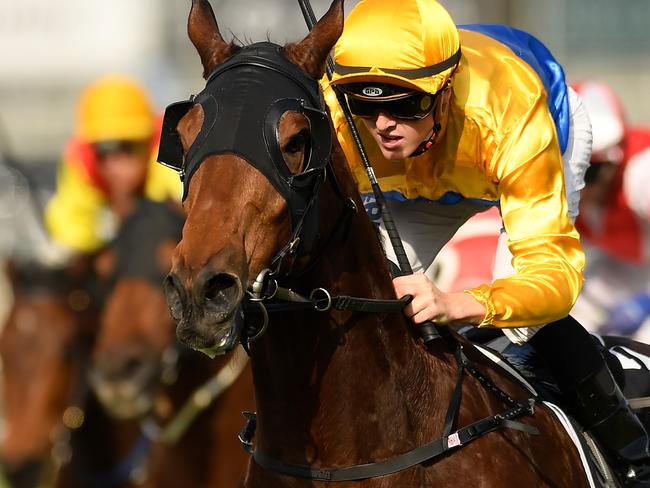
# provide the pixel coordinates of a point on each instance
(326, 381)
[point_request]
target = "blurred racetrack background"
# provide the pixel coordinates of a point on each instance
(51, 49)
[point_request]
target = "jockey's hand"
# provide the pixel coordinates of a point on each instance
(430, 303)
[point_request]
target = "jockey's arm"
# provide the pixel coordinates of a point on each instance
(547, 256)
(73, 212)
(162, 182)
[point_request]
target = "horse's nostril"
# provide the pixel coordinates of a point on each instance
(221, 288)
(174, 297)
(132, 367)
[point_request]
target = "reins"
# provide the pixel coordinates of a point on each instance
(266, 296)
(199, 401)
(428, 330)
(425, 453)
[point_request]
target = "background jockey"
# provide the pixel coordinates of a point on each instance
(614, 222)
(107, 164)
(456, 120)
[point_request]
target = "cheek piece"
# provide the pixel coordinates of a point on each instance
(243, 102)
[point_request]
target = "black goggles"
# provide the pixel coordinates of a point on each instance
(412, 107)
(105, 148)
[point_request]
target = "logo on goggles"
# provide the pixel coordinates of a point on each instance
(372, 91)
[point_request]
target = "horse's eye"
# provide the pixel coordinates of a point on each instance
(297, 143)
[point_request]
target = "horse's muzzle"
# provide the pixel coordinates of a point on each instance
(208, 315)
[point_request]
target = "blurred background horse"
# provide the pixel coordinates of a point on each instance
(189, 407)
(45, 345)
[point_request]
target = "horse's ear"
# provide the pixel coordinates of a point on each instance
(311, 53)
(204, 33)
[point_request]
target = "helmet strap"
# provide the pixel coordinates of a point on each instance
(429, 141)
(440, 112)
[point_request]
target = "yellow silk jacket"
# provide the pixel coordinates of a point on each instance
(500, 145)
(77, 215)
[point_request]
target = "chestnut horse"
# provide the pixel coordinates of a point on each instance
(190, 407)
(340, 388)
(44, 345)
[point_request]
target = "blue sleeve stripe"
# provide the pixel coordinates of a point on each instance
(531, 50)
(449, 198)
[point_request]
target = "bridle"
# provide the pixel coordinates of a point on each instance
(266, 295)
(252, 133)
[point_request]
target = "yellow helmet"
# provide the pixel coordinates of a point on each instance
(410, 43)
(114, 108)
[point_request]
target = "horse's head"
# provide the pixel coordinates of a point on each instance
(43, 346)
(136, 343)
(252, 148)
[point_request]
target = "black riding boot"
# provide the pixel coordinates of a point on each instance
(594, 397)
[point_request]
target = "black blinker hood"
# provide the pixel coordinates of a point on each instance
(243, 101)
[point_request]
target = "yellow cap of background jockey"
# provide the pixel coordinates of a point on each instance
(114, 108)
(411, 43)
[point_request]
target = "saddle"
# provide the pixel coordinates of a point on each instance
(629, 363)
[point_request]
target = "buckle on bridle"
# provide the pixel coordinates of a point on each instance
(327, 298)
(293, 247)
(264, 287)
(248, 431)
(259, 331)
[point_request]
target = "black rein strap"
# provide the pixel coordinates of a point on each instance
(321, 301)
(425, 453)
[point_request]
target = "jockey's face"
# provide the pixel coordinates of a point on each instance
(398, 138)
(124, 168)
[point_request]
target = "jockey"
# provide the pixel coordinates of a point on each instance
(614, 221)
(106, 165)
(456, 120)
